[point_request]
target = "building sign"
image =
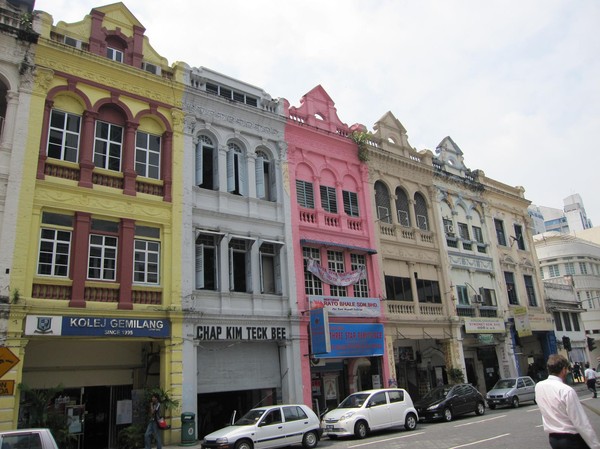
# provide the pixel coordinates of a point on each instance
(522, 325)
(7, 360)
(484, 325)
(355, 340)
(231, 332)
(319, 332)
(66, 326)
(347, 306)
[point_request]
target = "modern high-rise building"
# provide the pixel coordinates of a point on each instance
(571, 218)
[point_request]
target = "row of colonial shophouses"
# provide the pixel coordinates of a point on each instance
(171, 226)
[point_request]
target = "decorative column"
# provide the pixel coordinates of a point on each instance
(79, 260)
(129, 174)
(42, 156)
(86, 149)
(125, 274)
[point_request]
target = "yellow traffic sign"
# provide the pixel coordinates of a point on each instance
(7, 387)
(7, 360)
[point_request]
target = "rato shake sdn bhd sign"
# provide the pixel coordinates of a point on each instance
(65, 326)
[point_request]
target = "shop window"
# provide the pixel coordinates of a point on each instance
(558, 321)
(421, 212)
(398, 288)
(55, 245)
(530, 290)
(312, 284)
(236, 170)
(428, 291)
(108, 145)
(147, 155)
(146, 255)
(270, 268)
(207, 260)
(402, 208)
(328, 199)
(511, 288)
(350, 203)
(382, 201)
(265, 177)
(519, 237)
(207, 164)
(305, 194)
(240, 267)
(500, 235)
(361, 288)
(63, 136)
(335, 262)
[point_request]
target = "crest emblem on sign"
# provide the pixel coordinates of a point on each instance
(44, 325)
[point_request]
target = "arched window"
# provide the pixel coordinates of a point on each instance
(206, 164)
(236, 170)
(421, 212)
(402, 207)
(265, 177)
(382, 202)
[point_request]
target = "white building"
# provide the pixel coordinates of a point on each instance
(566, 255)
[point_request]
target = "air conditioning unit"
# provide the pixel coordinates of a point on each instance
(477, 299)
(449, 228)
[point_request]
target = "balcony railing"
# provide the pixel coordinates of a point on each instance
(411, 310)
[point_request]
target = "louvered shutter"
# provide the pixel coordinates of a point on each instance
(199, 169)
(230, 170)
(260, 177)
(199, 266)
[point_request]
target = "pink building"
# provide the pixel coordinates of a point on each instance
(334, 249)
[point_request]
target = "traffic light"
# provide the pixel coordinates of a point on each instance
(566, 343)
(590, 343)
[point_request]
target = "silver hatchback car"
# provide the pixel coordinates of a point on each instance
(511, 391)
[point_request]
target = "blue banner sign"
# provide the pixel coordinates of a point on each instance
(355, 340)
(45, 325)
(319, 332)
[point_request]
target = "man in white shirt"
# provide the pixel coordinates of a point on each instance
(590, 379)
(562, 414)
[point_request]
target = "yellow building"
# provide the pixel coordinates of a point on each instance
(95, 283)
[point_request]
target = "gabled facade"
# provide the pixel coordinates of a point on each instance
(96, 260)
(498, 292)
(417, 305)
(335, 261)
(239, 305)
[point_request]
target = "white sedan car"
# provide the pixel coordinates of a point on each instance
(370, 410)
(269, 427)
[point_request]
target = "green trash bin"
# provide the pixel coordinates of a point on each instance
(188, 429)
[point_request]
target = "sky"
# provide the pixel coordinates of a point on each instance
(516, 84)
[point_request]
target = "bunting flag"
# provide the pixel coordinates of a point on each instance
(335, 278)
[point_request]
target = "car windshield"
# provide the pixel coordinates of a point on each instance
(354, 401)
(505, 383)
(438, 393)
(249, 418)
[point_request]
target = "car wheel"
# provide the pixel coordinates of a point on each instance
(361, 429)
(310, 440)
(448, 415)
(411, 422)
(243, 444)
(515, 402)
(480, 409)
(492, 406)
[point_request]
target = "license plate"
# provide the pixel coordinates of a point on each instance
(329, 427)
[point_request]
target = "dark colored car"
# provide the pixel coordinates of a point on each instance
(447, 401)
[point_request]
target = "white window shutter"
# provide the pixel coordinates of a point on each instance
(261, 274)
(230, 171)
(248, 269)
(278, 287)
(272, 179)
(243, 174)
(199, 171)
(260, 178)
(231, 277)
(199, 266)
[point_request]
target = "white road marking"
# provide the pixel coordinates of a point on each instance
(480, 421)
(480, 441)
(387, 439)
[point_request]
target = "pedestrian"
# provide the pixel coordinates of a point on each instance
(152, 428)
(577, 372)
(563, 416)
(590, 378)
